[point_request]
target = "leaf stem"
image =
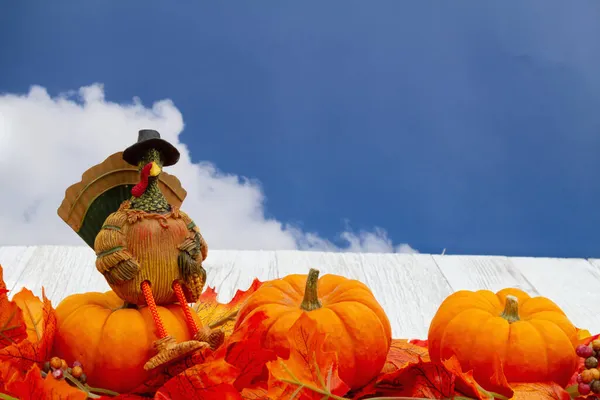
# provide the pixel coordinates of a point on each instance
(4, 396)
(79, 385)
(224, 320)
(297, 382)
(100, 390)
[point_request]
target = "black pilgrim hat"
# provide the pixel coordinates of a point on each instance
(150, 139)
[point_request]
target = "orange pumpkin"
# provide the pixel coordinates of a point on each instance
(532, 337)
(357, 327)
(111, 340)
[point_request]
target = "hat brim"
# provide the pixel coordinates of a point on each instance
(134, 153)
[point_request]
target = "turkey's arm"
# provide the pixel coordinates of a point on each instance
(113, 259)
(192, 251)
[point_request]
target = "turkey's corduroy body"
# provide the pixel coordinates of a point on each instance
(152, 241)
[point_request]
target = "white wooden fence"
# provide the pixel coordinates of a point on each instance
(410, 287)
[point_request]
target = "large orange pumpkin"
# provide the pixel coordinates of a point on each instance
(112, 341)
(532, 337)
(357, 327)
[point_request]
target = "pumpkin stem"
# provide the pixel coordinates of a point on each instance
(511, 309)
(311, 299)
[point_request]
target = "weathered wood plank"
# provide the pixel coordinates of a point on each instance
(13, 260)
(482, 272)
(571, 283)
(400, 282)
(409, 287)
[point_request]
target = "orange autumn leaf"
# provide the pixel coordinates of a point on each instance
(40, 322)
(209, 381)
(466, 385)
(309, 372)
(401, 353)
(539, 391)
(212, 312)
(34, 387)
(255, 394)
(12, 326)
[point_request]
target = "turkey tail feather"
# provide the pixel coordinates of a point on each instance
(102, 190)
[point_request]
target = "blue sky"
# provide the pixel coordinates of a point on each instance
(467, 125)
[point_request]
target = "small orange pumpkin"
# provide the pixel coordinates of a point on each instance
(532, 337)
(357, 327)
(111, 340)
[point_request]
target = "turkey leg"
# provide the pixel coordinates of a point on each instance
(168, 350)
(214, 337)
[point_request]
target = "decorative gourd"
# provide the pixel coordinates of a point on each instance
(357, 327)
(110, 339)
(532, 337)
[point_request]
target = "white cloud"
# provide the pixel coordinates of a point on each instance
(46, 143)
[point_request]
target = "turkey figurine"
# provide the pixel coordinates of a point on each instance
(149, 251)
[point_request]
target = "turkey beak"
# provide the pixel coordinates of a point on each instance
(155, 170)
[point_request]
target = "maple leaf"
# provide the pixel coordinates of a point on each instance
(466, 385)
(214, 314)
(12, 326)
(245, 351)
(309, 372)
(419, 342)
(258, 393)
(539, 391)
(212, 380)
(403, 352)
(33, 387)
(421, 379)
(123, 397)
(427, 379)
(40, 323)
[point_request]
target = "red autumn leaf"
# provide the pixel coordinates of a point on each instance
(401, 353)
(539, 391)
(215, 314)
(12, 326)
(209, 381)
(419, 342)
(33, 387)
(245, 352)
(40, 322)
(123, 397)
(309, 372)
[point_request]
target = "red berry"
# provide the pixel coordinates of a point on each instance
(579, 378)
(57, 373)
(55, 362)
(77, 371)
(584, 389)
(584, 351)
